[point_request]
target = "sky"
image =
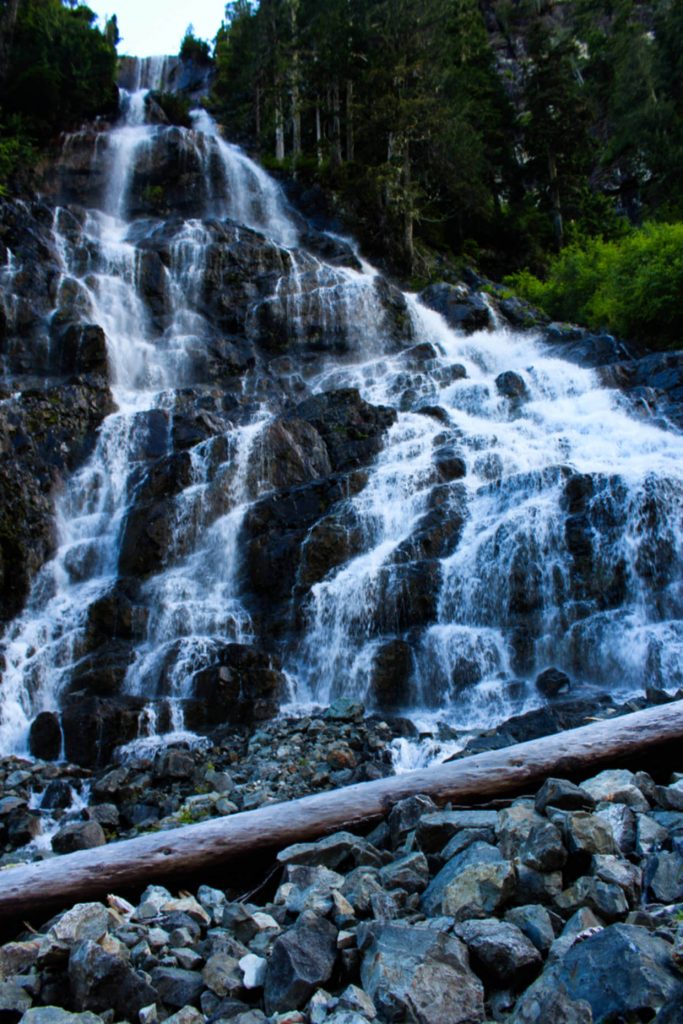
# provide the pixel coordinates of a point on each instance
(151, 27)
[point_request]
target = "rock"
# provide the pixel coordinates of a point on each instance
(356, 1000)
(501, 954)
(55, 1015)
(619, 872)
(535, 922)
(84, 921)
(405, 816)
(410, 873)
(588, 834)
(101, 981)
(650, 835)
(421, 975)
(617, 786)
(14, 999)
(392, 670)
(243, 685)
(620, 971)
(351, 428)
(223, 974)
(461, 308)
(302, 959)
(664, 877)
(607, 900)
(523, 833)
(254, 970)
(176, 987)
(435, 830)
(511, 385)
(79, 835)
(551, 1004)
(174, 764)
(551, 682)
(45, 736)
(622, 821)
(290, 452)
(18, 958)
(564, 795)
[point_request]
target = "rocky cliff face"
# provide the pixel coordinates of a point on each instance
(243, 468)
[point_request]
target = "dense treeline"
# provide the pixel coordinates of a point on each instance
(56, 70)
(570, 124)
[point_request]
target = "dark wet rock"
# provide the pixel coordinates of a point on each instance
(301, 960)
(392, 670)
(461, 307)
(414, 973)
(351, 428)
(536, 923)
(449, 463)
(436, 829)
(43, 436)
(333, 540)
(578, 345)
(93, 727)
(45, 736)
(500, 953)
(520, 313)
(78, 348)
(58, 794)
(511, 385)
(103, 981)
(177, 987)
(290, 452)
(654, 382)
(244, 685)
(78, 835)
(620, 971)
(664, 877)
(563, 794)
(552, 682)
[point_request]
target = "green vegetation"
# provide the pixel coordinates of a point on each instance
(56, 71)
(431, 142)
(194, 49)
(175, 107)
(631, 286)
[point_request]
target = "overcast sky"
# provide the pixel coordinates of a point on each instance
(150, 27)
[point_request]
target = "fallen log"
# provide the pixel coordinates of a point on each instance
(161, 856)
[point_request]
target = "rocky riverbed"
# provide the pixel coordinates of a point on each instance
(563, 905)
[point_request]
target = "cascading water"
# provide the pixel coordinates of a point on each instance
(499, 531)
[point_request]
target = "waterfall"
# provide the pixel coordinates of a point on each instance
(492, 537)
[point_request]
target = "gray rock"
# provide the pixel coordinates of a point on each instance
(474, 855)
(563, 794)
(355, 999)
(672, 1011)
(18, 957)
(588, 834)
(222, 974)
(78, 835)
(535, 922)
(415, 974)
(622, 821)
(501, 954)
(664, 877)
(650, 835)
(552, 681)
(436, 829)
(621, 971)
(101, 981)
(544, 1003)
(410, 873)
(84, 921)
(302, 959)
(619, 872)
(536, 886)
(177, 987)
(524, 833)
(617, 786)
(606, 900)
(406, 814)
(14, 998)
(55, 1015)
(461, 840)
(340, 849)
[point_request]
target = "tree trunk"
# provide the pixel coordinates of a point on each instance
(279, 128)
(350, 142)
(336, 126)
(318, 134)
(257, 114)
(7, 25)
(408, 212)
(37, 888)
(558, 226)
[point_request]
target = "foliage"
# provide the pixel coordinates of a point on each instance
(631, 286)
(59, 70)
(175, 107)
(192, 48)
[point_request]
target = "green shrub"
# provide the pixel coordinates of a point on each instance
(632, 286)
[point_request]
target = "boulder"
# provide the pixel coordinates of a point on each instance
(392, 670)
(351, 428)
(460, 307)
(302, 959)
(45, 736)
(78, 835)
(501, 954)
(420, 975)
(552, 681)
(101, 981)
(512, 385)
(564, 795)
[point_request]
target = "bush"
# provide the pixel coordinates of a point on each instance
(197, 50)
(175, 107)
(631, 286)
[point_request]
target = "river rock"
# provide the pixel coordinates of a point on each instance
(462, 308)
(78, 835)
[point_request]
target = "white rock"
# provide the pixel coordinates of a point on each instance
(254, 969)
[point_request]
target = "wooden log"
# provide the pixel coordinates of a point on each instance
(160, 856)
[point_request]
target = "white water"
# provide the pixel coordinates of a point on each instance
(512, 568)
